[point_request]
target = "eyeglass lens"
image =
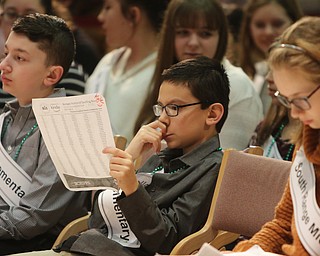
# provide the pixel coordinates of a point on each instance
(301, 103)
(171, 110)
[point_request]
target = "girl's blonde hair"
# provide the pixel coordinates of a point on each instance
(298, 47)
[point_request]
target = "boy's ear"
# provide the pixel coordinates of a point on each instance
(54, 75)
(215, 113)
(134, 15)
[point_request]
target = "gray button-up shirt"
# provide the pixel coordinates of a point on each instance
(174, 205)
(47, 206)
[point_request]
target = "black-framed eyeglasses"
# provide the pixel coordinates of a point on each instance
(171, 109)
(301, 103)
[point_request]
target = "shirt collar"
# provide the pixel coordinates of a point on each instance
(173, 158)
(14, 106)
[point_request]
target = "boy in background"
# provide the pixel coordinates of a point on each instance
(34, 204)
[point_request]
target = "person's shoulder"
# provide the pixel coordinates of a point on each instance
(236, 74)
(240, 83)
(107, 61)
(112, 56)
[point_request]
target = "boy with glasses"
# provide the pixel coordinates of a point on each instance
(170, 196)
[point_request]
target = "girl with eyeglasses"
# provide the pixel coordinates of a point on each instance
(295, 63)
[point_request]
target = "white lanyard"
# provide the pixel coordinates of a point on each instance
(306, 209)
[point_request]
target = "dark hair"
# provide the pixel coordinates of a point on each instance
(186, 13)
(45, 3)
(52, 35)
(47, 6)
(154, 10)
(207, 80)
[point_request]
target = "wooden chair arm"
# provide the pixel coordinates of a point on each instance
(224, 238)
(193, 242)
(74, 227)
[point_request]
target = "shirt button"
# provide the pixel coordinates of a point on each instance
(9, 149)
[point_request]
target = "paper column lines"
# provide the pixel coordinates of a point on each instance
(96, 148)
(72, 146)
(103, 137)
(49, 139)
(84, 142)
(63, 155)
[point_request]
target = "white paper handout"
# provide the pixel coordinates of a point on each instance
(75, 130)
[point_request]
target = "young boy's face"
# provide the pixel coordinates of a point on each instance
(188, 129)
(24, 69)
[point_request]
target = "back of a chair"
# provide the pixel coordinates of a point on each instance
(247, 191)
(250, 188)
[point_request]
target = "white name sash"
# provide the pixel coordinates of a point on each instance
(118, 227)
(306, 209)
(14, 181)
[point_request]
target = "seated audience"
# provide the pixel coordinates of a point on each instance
(169, 197)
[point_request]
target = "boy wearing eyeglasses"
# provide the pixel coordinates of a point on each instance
(170, 196)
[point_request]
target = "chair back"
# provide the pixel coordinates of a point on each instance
(250, 187)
